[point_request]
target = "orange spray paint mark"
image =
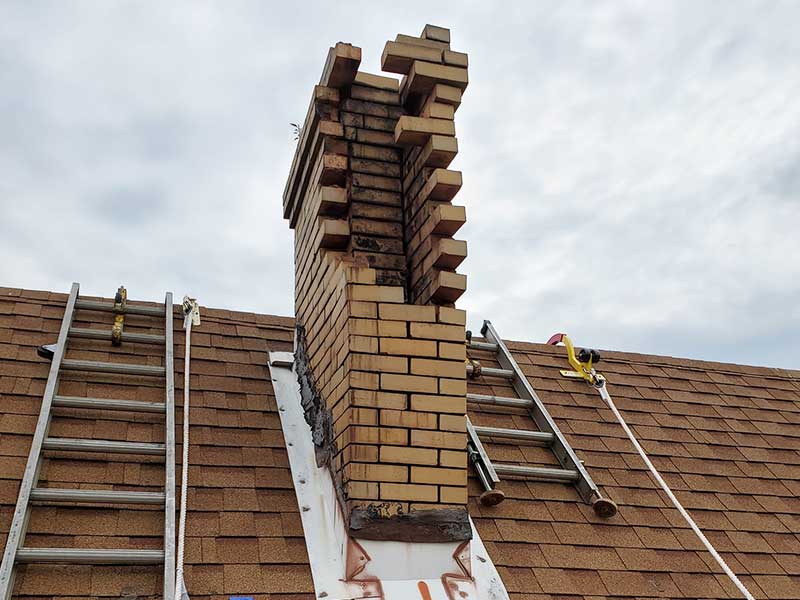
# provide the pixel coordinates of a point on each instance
(423, 590)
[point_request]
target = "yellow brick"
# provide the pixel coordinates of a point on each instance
(454, 316)
(453, 351)
(448, 219)
(335, 233)
(407, 312)
(407, 347)
(360, 275)
(447, 94)
(456, 59)
(378, 399)
(429, 331)
(424, 76)
(448, 286)
(453, 387)
(392, 329)
(439, 404)
(452, 423)
(377, 81)
(364, 310)
(438, 110)
(408, 418)
(363, 489)
(378, 364)
(364, 344)
(457, 477)
(364, 453)
(434, 32)
(408, 383)
(410, 492)
(453, 458)
(398, 58)
(367, 327)
(360, 434)
(376, 293)
(393, 436)
(408, 456)
(453, 495)
(363, 416)
(441, 368)
(438, 439)
(362, 380)
(415, 131)
(378, 472)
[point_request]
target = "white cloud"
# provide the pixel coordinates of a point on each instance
(632, 170)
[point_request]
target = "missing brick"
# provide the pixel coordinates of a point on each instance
(315, 412)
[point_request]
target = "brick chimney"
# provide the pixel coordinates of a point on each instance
(380, 346)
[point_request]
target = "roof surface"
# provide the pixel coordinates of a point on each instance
(726, 438)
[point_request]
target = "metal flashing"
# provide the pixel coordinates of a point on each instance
(344, 568)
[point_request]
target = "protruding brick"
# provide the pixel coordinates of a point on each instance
(342, 65)
(434, 32)
(415, 131)
(333, 200)
(335, 233)
(377, 81)
(424, 75)
(448, 287)
(398, 57)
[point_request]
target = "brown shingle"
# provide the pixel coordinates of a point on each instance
(730, 452)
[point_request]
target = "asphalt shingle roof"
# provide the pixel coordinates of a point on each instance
(726, 438)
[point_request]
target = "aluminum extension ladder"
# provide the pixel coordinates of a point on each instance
(15, 550)
(572, 470)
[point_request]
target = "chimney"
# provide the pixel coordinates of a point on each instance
(380, 346)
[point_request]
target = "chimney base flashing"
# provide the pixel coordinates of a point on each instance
(439, 525)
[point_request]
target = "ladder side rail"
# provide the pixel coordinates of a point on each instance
(484, 457)
(561, 448)
(30, 475)
(169, 467)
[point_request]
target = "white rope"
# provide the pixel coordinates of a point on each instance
(191, 314)
(663, 484)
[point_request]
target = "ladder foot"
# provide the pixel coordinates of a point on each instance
(604, 508)
(492, 497)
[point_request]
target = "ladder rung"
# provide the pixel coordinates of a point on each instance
(87, 556)
(155, 311)
(499, 401)
(483, 346)
(536, 473)
(492, 372)
(109, 367)
(81, 445)
(105, 334)
(99, 496)
(109, 404)
(527, 435)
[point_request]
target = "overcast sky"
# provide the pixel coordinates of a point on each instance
(631, 169)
